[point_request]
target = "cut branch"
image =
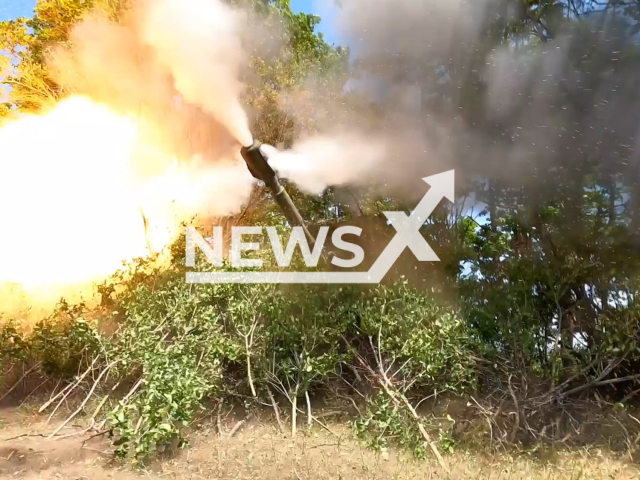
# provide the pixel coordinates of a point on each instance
(309, 415)
(276, 410)
(400, 400)
(19, 381)
(82, 405)
(294, 412)
(67, 390)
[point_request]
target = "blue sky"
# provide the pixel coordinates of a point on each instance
(10, 9)
(324, 8)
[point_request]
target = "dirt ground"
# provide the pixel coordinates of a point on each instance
(257, 450)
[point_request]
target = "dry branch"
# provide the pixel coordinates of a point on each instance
(82, 405)
(236, 427)
(67, 391)
(133, 390)
(400, 400)
(309, 415)
(248, 343)
(276, 410)
(516, 425)
(294, 413)
(19, 381)
(601, 383)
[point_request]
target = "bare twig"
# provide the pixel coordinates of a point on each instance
(323, 425)
(353, 402)
(34, 391)
(516, 425)
(355, 371)
(630, 395)
(102, 452)
(294, 412)
(89, 395)
(219, 419)
(133, 390)
(573, 377)
(101, 404)
(434, 394)
(98, 434)
(276, 410)
(309, 415)
(352, 387)
(22, 436)
(399, 399)
(248, 343)
(602, 383)
(236, 427)
(19, 381)
(65, 392)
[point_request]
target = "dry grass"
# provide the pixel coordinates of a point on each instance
(259, 451)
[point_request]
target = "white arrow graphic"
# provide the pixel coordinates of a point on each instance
(407, 236)
(442, 186)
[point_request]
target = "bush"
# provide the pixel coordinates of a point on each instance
(431, 341)
(178, 344)
(384, 423)
(59, 343)
(173, 340)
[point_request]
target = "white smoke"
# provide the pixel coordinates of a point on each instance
(320, 162)
(199, 42)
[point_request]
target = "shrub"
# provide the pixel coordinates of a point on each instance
(178, 344)
(431, 341)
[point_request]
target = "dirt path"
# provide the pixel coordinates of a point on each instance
(259, 451)
(26, 453)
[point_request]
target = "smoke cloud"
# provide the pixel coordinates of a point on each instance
(319, 161)
(381, 136)
(150, 138)
(434, 86)
(448, 91)
(199, 43)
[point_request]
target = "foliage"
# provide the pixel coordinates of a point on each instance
(431, 341)
(303, 53)
(180, 340)
(59, 343)
(177, 344)
(384, 424)
(173, 341)
(544, 279)
(12, 343)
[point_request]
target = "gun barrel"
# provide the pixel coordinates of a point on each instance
(261, 170)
